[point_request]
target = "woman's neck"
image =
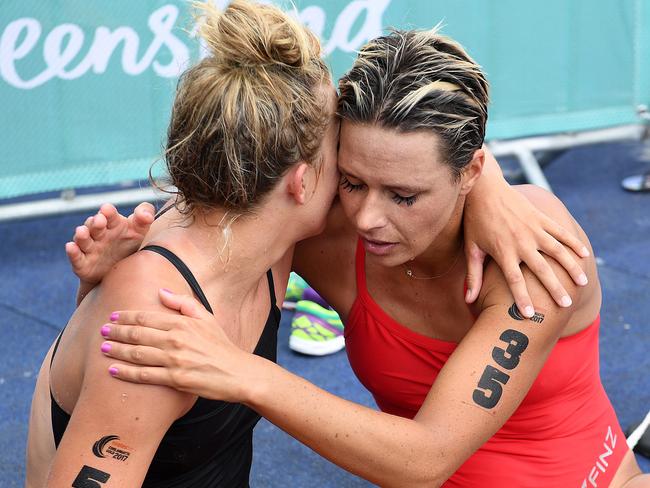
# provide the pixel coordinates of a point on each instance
(443, 253)
(228, 254)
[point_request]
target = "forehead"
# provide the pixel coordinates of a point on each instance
(378, 153)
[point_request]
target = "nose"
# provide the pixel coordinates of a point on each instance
(370, 214)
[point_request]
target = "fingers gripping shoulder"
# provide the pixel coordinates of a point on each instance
(132, 285)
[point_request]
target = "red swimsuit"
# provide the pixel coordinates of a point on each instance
(564, 434)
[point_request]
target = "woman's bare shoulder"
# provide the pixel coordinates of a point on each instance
(582, 297)
(551, 205)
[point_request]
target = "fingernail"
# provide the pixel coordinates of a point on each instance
(169, 292)
(114, 316)
(529, 311)
(582, 279)
(113, 371)
(468, 294)
(106, 347)
(585, 252)
(105, 330)
(566, 301)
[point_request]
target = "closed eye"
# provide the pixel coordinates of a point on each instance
(347, 185)
(399, 199)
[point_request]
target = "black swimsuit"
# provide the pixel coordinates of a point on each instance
(211, 445)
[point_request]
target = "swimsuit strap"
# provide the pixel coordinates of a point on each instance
(183, 270)
(187, 274)
(269, 277)
(56, 346)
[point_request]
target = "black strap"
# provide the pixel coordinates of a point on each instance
(183, 270)
(269, 276)
(191, 280)
(56, 346)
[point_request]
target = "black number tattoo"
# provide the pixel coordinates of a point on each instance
(491, 381)
(90, 477)
(517, 344)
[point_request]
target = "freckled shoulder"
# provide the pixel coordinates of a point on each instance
(494, 282)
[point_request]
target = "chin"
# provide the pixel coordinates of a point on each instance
(391, 260)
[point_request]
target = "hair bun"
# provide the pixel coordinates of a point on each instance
(255, 35)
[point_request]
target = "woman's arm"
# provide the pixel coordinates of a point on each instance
(113, 432)
(458, 415)
(498, 222)
(502, 223)
(478, 389)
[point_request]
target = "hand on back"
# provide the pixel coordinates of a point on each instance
(105, 239)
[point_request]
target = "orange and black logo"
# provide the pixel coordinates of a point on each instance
(109, 446)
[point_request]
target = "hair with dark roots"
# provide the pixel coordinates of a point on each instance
(248, 111)
(419, 80)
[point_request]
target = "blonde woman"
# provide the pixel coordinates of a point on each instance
(253, 135)
(470, 396)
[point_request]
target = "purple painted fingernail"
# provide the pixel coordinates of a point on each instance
(112, 371)
(106, 347)
(105, 330)
(114, 316)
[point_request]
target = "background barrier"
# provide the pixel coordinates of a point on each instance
(85, 87)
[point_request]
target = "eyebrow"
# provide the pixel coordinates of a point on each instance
(395, 188)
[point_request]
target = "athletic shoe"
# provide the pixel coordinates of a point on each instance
(316, 330)
(639, 183)
(295, 289)
(311, 295)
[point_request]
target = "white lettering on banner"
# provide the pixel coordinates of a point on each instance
(371, 28)
(64, 43)
(161, 23)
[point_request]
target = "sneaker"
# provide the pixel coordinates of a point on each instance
(295, 289)
(639, 183)
(316, 330)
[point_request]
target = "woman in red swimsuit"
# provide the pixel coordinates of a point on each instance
(471, 396)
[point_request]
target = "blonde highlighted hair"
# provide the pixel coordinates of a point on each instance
(419, 80)
(249, 110)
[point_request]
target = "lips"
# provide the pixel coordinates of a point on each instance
(379, 248)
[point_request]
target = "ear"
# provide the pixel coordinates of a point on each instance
(296, 182)
(472, 172)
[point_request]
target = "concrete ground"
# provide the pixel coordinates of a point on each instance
(37, 295)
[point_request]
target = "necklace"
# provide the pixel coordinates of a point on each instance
(409, 271)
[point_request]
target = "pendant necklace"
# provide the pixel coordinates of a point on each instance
(409, 271)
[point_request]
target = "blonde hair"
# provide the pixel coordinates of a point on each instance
(248, 111)
(419, 80)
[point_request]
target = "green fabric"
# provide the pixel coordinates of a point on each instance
(310, 331)
(295, 288)
(86, 86)
(329, 315)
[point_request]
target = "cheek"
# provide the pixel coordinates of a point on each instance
(346, 199)
(350, 202)
(419, 226)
